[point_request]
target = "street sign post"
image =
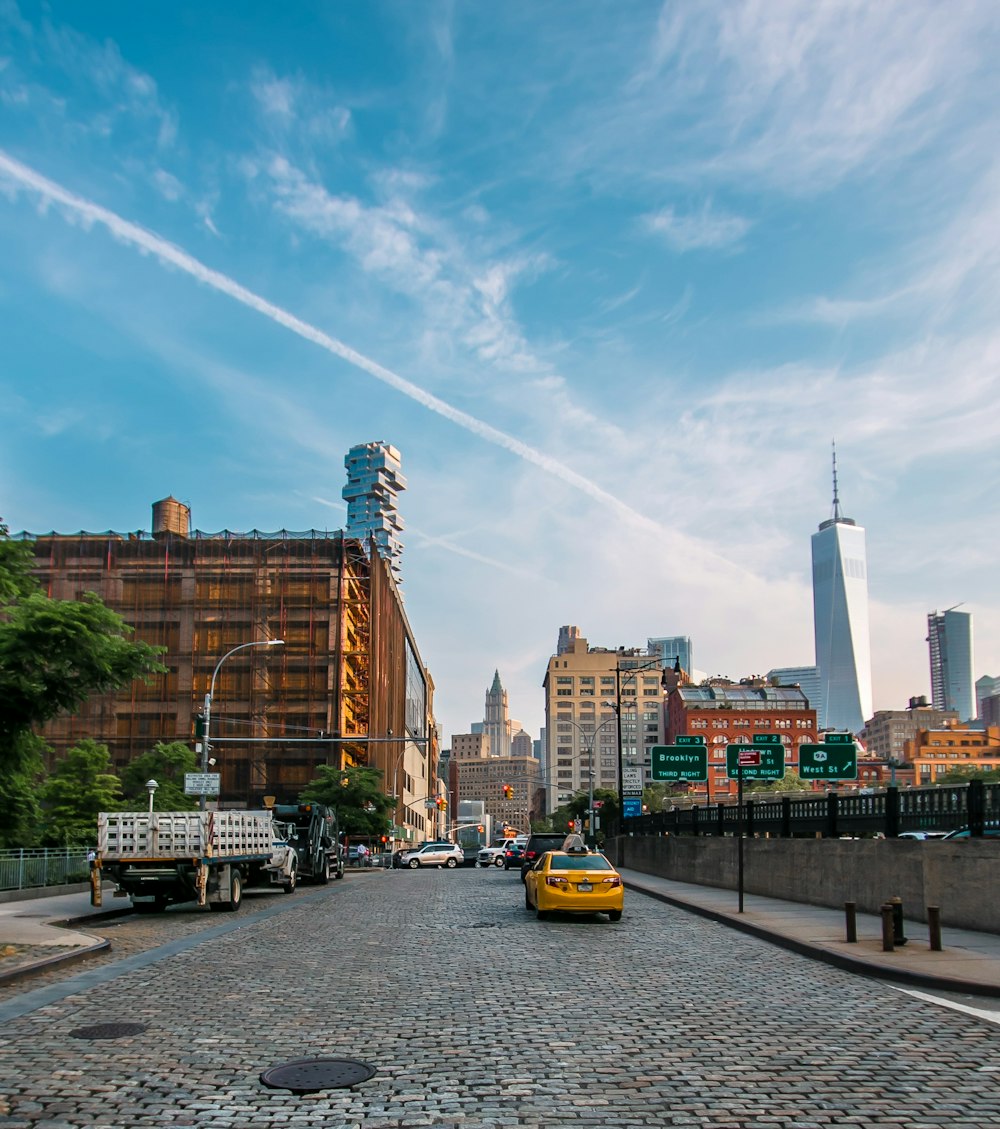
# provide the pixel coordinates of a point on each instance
(768, 739)
(689, 739)
(632, 807)
(838, 738)
(679, 762)
(201, 783)
(828, 762)
(632, 780)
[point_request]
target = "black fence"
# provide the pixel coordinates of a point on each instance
(974, 805)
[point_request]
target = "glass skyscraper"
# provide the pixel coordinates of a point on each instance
(840, 621)
(949, 638)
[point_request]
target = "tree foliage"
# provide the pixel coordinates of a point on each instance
(790, 782)
(355, 794)
(166, 763)
(965, 774)
(81, 785)
(20, 811)
(54, 654)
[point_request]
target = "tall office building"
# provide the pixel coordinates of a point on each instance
(840, 620)
(671, 648)
(496, 722)
(949, 638)
(805, 677)
(373, 481)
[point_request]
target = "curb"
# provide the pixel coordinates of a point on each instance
(814, 952)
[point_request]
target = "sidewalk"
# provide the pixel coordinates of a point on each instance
(31, 937)
(968, 962)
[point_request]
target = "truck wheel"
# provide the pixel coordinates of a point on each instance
(323, 870)
(413, 864)
(235, 893)
(498, 861)
(339, 871)
(289, 884)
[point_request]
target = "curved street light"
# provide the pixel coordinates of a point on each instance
(211, 693)
(589, 749)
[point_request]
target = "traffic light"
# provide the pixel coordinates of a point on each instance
(480, 829)
(508, 791)
(442, 803)
(572, 825)
(199, 726)
(385, 838)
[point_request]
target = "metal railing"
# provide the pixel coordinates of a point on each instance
(972, 805)
(28, 867)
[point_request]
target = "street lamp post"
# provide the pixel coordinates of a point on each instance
(211, 693)
(589, 750)
(631, 673)
(151, 786)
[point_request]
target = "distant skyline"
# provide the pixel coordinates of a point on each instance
(611, 281)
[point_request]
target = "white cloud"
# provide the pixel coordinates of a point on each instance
(705, 228)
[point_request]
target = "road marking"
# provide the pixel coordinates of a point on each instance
(979, 1013)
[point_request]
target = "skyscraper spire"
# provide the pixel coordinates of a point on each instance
(836, 498)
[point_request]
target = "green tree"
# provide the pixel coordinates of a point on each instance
(20, 811)
(166, 763)
(55, 653)
(790, 782)
(965, 774)
(356, 796)
(81, 785)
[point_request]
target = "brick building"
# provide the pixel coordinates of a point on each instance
(346, 687)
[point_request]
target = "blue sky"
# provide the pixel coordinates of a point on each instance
(610, 276)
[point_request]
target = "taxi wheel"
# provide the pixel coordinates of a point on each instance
(527, 903)
(614, 915)
(541, 914)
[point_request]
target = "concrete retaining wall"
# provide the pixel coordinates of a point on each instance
(959, 876)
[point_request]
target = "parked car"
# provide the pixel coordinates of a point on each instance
(434, 854)
(575, 880)
(537, 845)
(990, 831)
(922, 835)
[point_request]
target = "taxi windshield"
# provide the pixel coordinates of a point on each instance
(578, 862)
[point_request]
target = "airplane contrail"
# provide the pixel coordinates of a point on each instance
(168, 252)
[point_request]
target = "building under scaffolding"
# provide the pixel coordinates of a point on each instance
(347, 687)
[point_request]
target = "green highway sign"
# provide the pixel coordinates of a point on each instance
(771, 766)
(828, 762)
(688, 739)
(768, 739)
(679, 762)
(838, 738)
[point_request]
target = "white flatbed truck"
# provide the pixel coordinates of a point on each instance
(211, 857)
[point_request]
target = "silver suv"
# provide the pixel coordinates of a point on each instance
(434, 854)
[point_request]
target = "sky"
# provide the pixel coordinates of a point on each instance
(612, 277)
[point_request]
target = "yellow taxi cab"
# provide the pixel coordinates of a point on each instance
(574, 880)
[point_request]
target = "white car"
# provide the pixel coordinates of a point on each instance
(491, 856)
(434, 854)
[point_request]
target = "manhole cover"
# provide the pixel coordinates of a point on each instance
(307, 1075)
(108, 1030)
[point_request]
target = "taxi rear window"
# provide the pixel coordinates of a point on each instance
(578, 862)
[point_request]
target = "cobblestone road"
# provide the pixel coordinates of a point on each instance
(663, 1019)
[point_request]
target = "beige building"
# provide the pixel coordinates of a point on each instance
(885, 735)
(581, 731)
(510, 788)
(935, 752)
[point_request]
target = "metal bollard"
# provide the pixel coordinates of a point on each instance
(934, 927)
(888, 932)
(851, 914)
(897, 920)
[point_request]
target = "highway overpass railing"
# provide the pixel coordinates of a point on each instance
(884, 813)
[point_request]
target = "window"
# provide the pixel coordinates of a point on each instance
(564, 693)
(564, 681)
